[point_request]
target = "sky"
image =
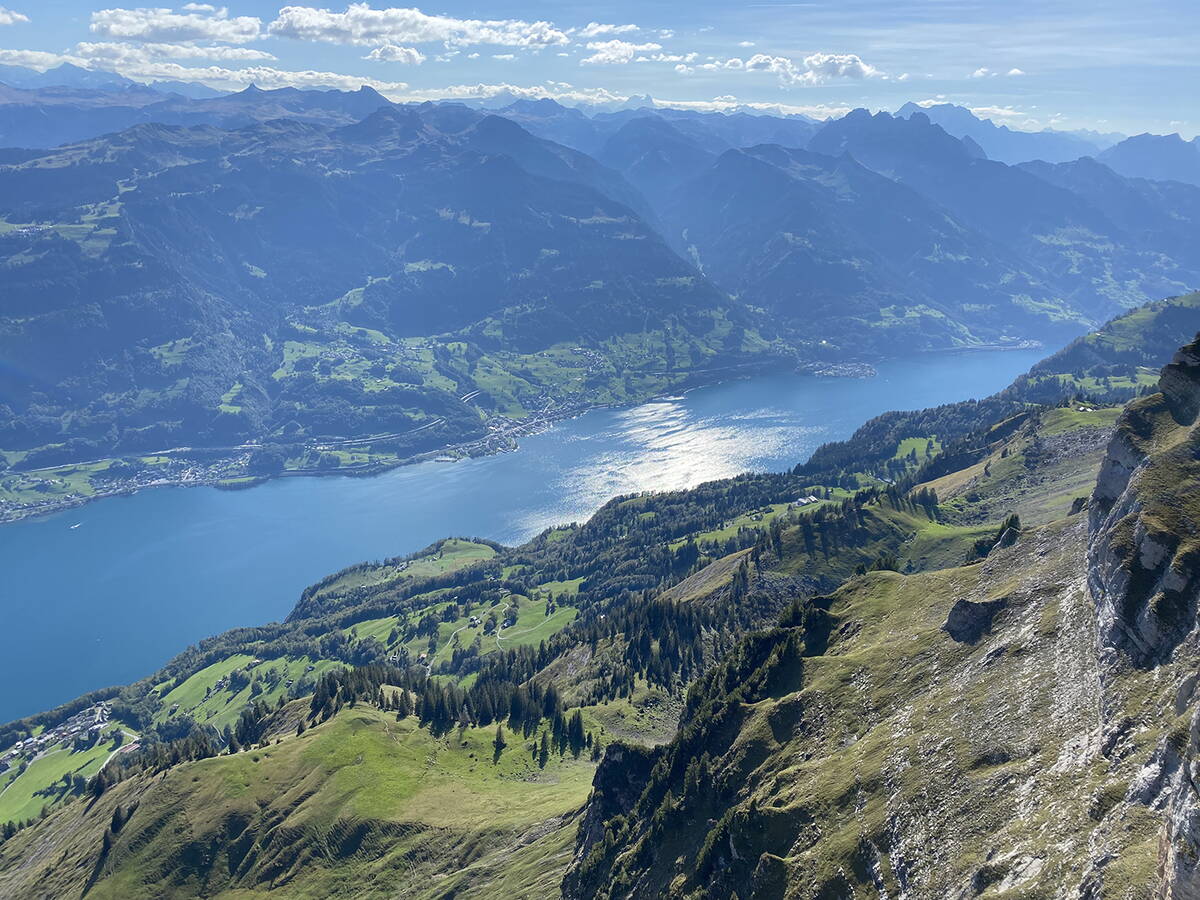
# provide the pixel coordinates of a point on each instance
(1101, 65)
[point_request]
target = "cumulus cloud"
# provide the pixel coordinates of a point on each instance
(124, 55)
(725, 103)
(596, 29)
(997, 112)
(615, 53)
(813, 69)
(11, 17)
(838, 65)
(982, 72)
(360, 24)
(668, 58)
(167, 26)
(556, 90)
(1015, 71)
(38, 59)
(150, 69)
(266, 77)
(506, 57)
(409, 56)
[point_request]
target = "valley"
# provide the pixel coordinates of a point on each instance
(373, 283)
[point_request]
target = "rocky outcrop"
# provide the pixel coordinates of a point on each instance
(1144, 559)
(1180, 384)
(620, 779)
(968, 620)
(1144, 575)
(1169, 783)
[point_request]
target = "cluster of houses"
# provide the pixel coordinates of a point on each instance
(91, 719)
(804, 501)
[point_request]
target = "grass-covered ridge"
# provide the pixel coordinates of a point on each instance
(362, 805)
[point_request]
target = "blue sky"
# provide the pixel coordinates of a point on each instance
(1103, 65)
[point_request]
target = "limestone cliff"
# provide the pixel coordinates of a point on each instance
(1144, 573)
(1144, 553)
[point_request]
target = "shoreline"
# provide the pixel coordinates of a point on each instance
(504, 441)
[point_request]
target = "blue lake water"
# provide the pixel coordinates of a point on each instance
(144, 576)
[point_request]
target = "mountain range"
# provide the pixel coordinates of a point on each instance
(266, 272)
(1010, 145)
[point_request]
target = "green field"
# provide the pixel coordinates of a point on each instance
(23, 795)
(199, 697)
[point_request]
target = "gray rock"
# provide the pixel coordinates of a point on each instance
(968, 621)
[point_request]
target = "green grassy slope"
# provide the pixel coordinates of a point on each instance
(900, 759)
(361, 806)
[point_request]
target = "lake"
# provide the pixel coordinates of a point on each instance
(144, 576)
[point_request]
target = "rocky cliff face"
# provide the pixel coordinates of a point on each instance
(1144, 574)
(1144, 556)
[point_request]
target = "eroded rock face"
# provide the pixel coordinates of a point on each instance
(968, 621)
(1179, 845)
(1180, 384)
(1143, 561)
(1144, 576)
(620, 779)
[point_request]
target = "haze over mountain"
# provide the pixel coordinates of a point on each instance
(1165, 157)
(163, 278)
(424, 220)
(1006, 144)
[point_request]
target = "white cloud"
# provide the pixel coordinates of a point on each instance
(38, 59)
(506, 57)
(360, 24)
(727, 102)
(11, 17)
(615, 53)
(814, 69)
(1014, 71)
(997, 112)
(147, 69)
(409, 56)
(487, 91)
(265, 77)
(668, 58)
(982, 72)
(199, 7)
(123, 54)
(167, 26)
(1008, 115)
(666, 34)
(839, 65)
(904, 76)
(596, 29)
(745, 43)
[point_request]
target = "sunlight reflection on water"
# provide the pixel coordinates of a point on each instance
(665, 445)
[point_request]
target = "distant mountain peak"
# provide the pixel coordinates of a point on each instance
(1000, 142)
